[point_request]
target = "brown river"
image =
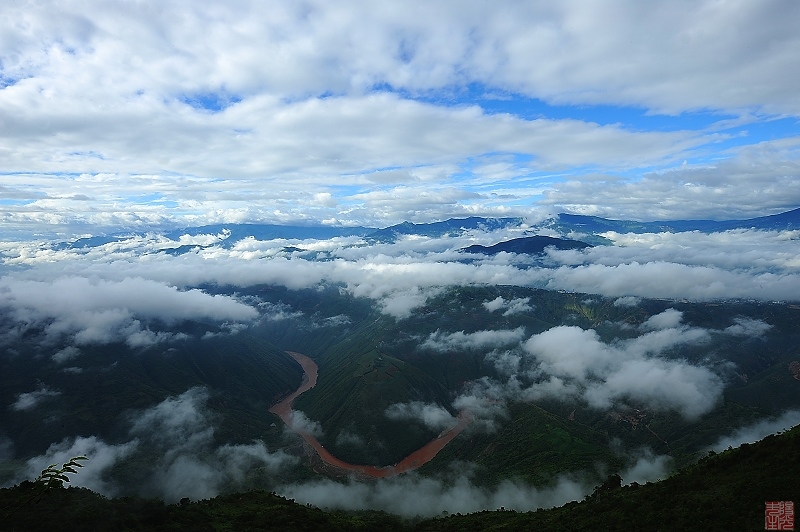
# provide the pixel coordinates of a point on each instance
(419, 457)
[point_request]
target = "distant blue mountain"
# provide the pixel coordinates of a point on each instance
(564, 224)
(270, 231)
(92, 242)
(531, 245)
(594, 224)
(453, 226)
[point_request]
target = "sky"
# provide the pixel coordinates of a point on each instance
(120, 115)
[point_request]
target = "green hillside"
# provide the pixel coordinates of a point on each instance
(244, 374)
(532, 445)
(726, 491)
(371, 361)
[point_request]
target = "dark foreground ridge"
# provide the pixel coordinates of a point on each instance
(725, 491)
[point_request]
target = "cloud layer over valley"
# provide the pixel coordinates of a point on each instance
(142, 289)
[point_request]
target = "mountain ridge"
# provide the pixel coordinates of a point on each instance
(567, 225)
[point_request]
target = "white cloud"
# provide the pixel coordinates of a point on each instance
(513, 306)
(648, 467)
(302, 424)
(412, 495)
(759, 430)
(749, 327)
(668, 319)
(101, 311)
(190, 464)
(764, 172)
(677, 281)
(179, 420)
(459, 341)
(179, 432)
(29, 400)
(569, 361)
(66, 354)
(431, 415)
(401, 277)
(94, 475)
(278, 311)
(116, 117)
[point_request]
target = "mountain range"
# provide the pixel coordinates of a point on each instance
(564, 224)
(163, 359)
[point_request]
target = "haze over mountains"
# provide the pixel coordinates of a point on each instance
(607, 349)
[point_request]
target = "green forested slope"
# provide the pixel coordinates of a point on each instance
(726, 492)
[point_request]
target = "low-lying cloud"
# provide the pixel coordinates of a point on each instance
(102, 457)
(759, 430)
(29, 400)
(412, 495)
(104, 311)
(401, 276)
(513, 306)
(302, 424)
(629, 370)
(443, 342)
(569, 363)
(179, 431)
(431, 415)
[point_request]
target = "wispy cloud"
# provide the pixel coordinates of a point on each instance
(176, 437)
(760, 429)
(29, 400)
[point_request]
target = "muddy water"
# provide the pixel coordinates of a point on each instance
(419, 457)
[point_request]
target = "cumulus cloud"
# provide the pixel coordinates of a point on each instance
(678, 281)
(6, 448)
(628, 301)
(748, 327)
(746, 264)
(350, 438)
(628, 370)
(513, 306)
(186, 474)
(485, 400)
(442, 342)
(180, 419)
(668, 319)
(342, 84)
(567, 362)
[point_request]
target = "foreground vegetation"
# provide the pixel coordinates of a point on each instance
(725, 491)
